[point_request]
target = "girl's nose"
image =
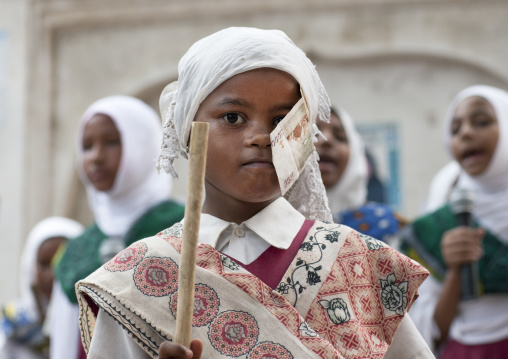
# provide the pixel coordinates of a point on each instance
(259, 135)
(98, 153)
(466, 129)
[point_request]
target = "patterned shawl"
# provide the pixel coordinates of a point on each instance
(343, 296)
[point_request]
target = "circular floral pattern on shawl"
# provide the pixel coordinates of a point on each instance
(206, 305)
(268, 350)
(234, 333)
(156, 277)
(127, 259)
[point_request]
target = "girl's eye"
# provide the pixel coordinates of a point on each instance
(341, 138)
(87, 147)
(278, 120)
(113, 142)
(233, 118)
(482, 121)
(455, 128)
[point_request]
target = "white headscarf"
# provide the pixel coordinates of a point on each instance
(44, 230)
(490, 188)
(441, 186)
(220, 56)
(137, 185)
(351, 190)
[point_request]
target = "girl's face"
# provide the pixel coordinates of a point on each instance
(334, 152)
(474, 134)
(45, 254)
(242, 112)
(102, 151)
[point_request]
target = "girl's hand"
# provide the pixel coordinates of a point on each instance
(170, 350)
(462, 245)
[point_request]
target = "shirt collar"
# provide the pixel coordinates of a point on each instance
(278, 224)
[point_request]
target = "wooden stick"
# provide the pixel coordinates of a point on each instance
(197, 162)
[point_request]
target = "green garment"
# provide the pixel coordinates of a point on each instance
(422, 242)
(81, 257)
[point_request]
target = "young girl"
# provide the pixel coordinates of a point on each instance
(272, 279)
(21, 335)
(117, 146)
(476, 134)
(343, 166)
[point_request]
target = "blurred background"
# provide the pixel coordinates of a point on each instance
(394, 65)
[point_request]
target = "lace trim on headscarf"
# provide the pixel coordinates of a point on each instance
(308, 194)
(170, 146)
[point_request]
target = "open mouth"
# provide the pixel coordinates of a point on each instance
(326, 167)
(471, 153)
(326, 162)
(99, 175)
(472, 157)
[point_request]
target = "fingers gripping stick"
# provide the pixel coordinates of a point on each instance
(197, 162)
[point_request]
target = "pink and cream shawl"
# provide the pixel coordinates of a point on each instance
(343, 296)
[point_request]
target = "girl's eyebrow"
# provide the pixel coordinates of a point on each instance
(234, 101)
(243, 103)
(480, 111)
(476, 112)
(283, 106)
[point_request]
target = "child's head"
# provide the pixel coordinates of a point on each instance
(45, 254)
(474, 134)
(241, 118)
(118, 138)
(118, 142)
(102, 151)
(333, 151)
(214, 76)
(43, 241)
(342, 162)
(476, 131)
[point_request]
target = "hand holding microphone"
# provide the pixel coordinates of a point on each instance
(461, 247)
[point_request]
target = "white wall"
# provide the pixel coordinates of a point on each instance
(12, 141)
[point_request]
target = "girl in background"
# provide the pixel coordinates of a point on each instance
(22, 336)
(476, 135)
(344, 170)
(118, 142)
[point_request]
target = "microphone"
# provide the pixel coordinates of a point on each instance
(461, 204)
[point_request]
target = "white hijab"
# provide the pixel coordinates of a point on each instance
(137, 185)
(490, 188)
(441, 186)
(351, 190)
(222, 55)
(44, 230)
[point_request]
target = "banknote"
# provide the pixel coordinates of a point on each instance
(292, 145)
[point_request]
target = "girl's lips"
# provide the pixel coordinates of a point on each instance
(326, 156)
(260, 165)
(99, 175)
(472, 158)
(327, 166)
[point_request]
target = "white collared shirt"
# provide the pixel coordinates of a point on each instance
(276, 225)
